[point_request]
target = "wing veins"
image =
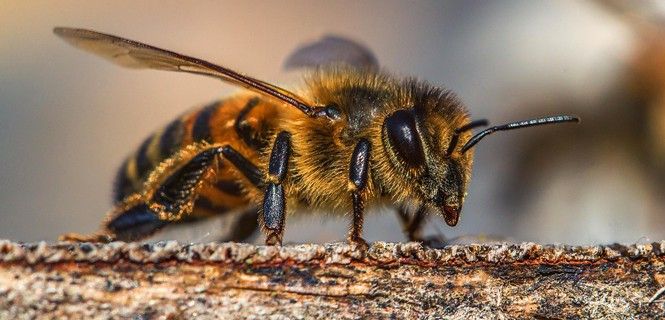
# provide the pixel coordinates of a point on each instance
(134, 54)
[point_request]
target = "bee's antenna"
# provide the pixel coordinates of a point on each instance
(455, 138)
(517, 125)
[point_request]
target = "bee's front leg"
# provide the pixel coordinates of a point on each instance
(358, 173)
(274, 202)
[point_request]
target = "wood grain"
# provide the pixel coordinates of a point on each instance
(168, 280)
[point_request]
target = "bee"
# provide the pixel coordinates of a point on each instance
(354, 136)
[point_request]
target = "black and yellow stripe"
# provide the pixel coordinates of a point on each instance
(202, 125)
(171, 138)
(123, 185)
(159, 146)
(209, 124)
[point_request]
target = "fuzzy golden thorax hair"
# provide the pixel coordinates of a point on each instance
(375, 105)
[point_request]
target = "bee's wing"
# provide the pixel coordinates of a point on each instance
(132, 54)
(332, 50)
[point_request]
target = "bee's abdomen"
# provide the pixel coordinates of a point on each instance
(215, 123)
(155, 148)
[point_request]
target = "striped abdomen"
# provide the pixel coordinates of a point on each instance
(241, 122)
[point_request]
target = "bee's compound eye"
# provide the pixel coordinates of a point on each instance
(403, 137)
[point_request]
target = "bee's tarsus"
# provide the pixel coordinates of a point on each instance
(274, 207)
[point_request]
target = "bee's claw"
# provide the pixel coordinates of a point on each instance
(359, 244)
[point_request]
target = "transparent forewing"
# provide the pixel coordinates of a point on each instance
(131, 54)
(136, 55)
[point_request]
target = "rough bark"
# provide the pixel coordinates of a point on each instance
(401, 281)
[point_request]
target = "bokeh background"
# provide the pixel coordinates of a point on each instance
(68, 119)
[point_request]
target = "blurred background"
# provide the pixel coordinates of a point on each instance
(68, 119)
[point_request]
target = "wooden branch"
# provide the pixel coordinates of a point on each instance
(401, 281)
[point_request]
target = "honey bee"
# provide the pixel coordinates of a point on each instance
(353, 137)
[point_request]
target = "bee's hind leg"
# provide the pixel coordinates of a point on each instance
(173, 192)
(174, 198)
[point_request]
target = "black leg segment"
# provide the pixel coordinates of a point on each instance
(279, 158)
(274, 205)
(135, 223)
(178, 190)
(358, 175)
(246, 167)
(175, 197)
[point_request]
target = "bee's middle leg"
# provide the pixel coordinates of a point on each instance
(274, 202)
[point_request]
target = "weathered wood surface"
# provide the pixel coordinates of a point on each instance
(168, 280)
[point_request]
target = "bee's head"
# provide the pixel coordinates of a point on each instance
(429, 147)
(417, 141)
